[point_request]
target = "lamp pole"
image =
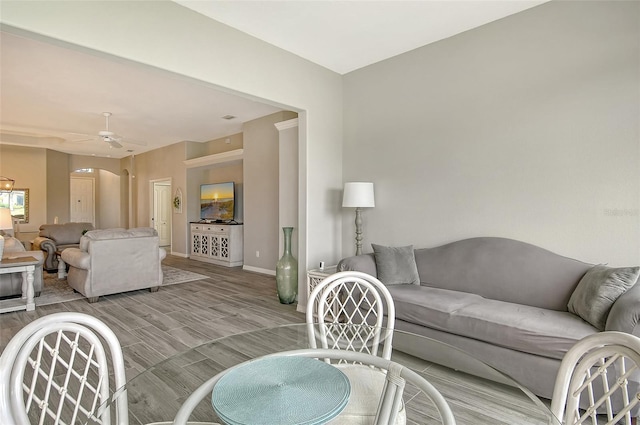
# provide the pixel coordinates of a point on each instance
(358, 231)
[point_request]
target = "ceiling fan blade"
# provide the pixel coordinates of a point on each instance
(114, 144)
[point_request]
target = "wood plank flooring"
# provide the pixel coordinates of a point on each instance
(155, 326)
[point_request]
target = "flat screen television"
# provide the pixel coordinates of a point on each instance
(217, 201)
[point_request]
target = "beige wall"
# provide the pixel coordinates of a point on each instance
(46, 174)
(28, 167)
(261, 182)
(198, 47)
(58, 186)
(108, 209)
(525, 128)
(159, 164)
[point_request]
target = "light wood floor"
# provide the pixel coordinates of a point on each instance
(154, 326)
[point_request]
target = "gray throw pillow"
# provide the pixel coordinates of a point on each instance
(396, 265)
(598, 289)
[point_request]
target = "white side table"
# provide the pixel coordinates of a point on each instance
(315, 276)
(26, 266)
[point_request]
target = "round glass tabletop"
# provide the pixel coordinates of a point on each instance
(477, 393)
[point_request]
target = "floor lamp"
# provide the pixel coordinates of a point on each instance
(358, 195)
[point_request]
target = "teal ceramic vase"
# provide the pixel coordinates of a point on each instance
(287, 271)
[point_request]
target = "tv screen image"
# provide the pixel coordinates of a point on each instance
(217, 201)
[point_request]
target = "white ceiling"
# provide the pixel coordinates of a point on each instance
(347, 35)
(53, 96)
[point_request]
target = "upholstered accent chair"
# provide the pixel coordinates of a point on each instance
(55, 237)
(111, 261)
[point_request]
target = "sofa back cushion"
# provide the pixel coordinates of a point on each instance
(502, 269)
(115, 233)
(64, 234)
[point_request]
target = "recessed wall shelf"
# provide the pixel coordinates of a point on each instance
(225, 158)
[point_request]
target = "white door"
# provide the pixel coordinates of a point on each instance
(82, 208)
(162, 212)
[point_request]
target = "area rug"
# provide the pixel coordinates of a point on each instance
(58, 291)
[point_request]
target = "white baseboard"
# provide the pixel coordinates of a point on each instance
(259, 270)
(179, 254)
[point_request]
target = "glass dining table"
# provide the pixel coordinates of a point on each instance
(476, 393)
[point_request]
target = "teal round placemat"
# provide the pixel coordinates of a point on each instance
(281, 390)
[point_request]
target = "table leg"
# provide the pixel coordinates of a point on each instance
(62, 268)
(27, 287)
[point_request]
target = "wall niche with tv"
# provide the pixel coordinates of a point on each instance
(216, 230)
(216, 186)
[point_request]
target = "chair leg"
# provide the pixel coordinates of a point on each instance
(154, 289)
(93, 299)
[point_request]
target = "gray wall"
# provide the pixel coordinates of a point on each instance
(261, 181)
(525, 128)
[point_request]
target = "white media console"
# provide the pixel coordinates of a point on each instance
(219, 244)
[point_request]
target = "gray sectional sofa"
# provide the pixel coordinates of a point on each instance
(502, 300)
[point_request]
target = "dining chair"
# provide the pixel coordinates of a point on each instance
(388, 403)
(599, 376)
(56, 370)
(354, 311)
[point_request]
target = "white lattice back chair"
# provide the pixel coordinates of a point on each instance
(351, 298)
(599, 376)
(387, 407)
(355, 313)
(56, 371)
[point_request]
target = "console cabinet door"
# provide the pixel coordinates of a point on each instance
(217, 243)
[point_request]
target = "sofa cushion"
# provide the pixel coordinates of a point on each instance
(528, 329)
(502, 269)
(600, 287)
(396, 265)
(116, 233)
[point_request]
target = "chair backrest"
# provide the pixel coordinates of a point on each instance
(55, 370)
(390, 400)
(599, 375)
(351, 298)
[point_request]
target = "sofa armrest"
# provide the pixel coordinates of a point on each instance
(365, 263)
(44, 244)
(624, 315)
(77, 258)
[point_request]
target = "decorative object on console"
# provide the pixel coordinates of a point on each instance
(358, 195)
(287, 271)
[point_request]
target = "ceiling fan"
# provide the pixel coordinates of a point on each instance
(109, 136)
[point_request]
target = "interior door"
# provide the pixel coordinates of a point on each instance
(162, 212)
(82, 208)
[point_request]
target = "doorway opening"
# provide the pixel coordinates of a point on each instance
(161, 210)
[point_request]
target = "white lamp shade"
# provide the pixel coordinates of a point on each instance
(358, 195)
(6, 221)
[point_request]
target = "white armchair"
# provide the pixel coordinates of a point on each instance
(115, 260)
